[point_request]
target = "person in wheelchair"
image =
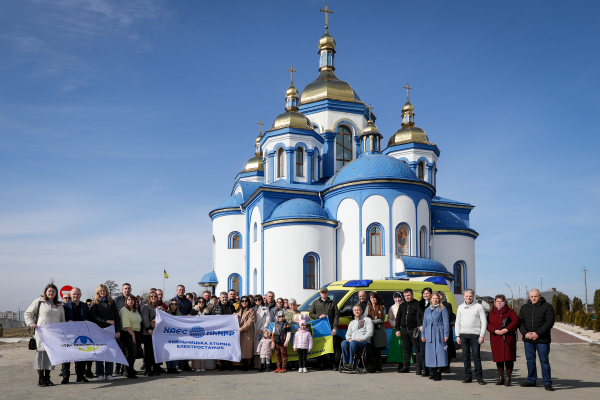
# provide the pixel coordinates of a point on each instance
(358, 336)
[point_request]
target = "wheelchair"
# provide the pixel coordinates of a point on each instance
(366, 360)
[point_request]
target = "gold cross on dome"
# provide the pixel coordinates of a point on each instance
(407, 89)
(326, 11)
(292, 70)
(370, 108)
(260, 124)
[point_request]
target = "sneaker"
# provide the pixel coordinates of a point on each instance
(549, 388)
(202, 370)
(100, 377)
(283, 370)
(305, 370)
(110, 377)
(277, 370)
(481, 381)
(468, 379)
(300, 370)
(197, 370)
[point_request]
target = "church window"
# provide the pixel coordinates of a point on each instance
(343, 147)
(402, 240)
(375, 240)
(255, 231)
(421, 171)
(311, 271)
(315, 161)
(280, 163)
(423, 243)
(255, 281)
(235, 240)
(458, 273)
(299, 162)
(235, 283)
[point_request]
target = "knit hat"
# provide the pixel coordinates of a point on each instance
(281, 314)
(302, 322)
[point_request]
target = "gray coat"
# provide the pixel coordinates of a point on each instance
(148, 314)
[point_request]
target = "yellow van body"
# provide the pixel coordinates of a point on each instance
(345, 294)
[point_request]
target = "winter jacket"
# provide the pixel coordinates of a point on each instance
(538, 318)
(49, 314)
(327, 307)
(423, 304)
(264, 348)
(83, 311)
(470, 319)
(148, 315)
(303, 340)
(102, 312)
(185, 305)
(407, 315)
(223, 309)
(119, 301)
(360, 329)
(504, 347)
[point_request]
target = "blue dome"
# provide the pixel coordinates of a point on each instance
(446, 220)
(209, 279)
(233, 201)
(375, 166)
(298, 208)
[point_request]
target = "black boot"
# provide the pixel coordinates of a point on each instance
(437, 376)
(41, 381)
(65, 379)
(262, 367)
(47, 378)
(268, 367)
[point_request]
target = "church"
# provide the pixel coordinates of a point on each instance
(323, 199)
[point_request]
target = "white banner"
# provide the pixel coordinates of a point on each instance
(202, 337)
(80, 341)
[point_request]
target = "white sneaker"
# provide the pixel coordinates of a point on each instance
(202, 370)
(110, 377)
(197, 370)
(305, 370)
(100, 377)
(300, 370)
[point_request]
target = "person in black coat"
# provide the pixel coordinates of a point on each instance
(423, 304)
(537, 319)
(407, 327)
(104, 313)
(451, 320)
(75, 310)
(224, 307)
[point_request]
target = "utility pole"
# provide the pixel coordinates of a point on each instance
(541, 284)
(585, 270)
(526, 292)
(19, 306)
(512, 301)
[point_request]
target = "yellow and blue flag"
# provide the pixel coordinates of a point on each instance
(322, 339)
(165, 272)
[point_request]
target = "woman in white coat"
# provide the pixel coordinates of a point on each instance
(261, 322)
(44, 310)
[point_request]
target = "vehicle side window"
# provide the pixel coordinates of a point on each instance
(388, 299)
(346, 309)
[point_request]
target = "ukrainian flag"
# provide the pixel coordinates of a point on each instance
(322, 339)
(165, 272)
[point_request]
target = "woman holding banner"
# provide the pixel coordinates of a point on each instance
(200, 309)
(148, 317)
(104, 313)
(131, 322)
(246, 317)
(44, 310)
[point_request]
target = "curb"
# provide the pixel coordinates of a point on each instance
(14, 340)
(577, 336)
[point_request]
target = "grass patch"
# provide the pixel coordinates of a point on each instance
(15, 332)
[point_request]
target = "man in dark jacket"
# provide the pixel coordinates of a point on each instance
(537, 320)
(75, 310)
(185, 305)
(326, 308)
(224, 307)
(407, 327)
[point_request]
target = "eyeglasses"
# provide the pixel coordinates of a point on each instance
(257, 299)
(67, 298)
(280, 302)
(245, 301)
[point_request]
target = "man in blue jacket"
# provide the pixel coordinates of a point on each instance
(75, 310)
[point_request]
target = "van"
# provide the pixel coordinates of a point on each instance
(345, 295)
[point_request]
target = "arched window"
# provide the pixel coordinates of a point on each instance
(235, 240)
(299, 162)
(235, 282)
(421, 171)
(280, 163)
(255, 231)
(402, 240)
(315, 160)
(254, 287)
(311, 271)
(423, 242)
(375, 240)
(343, 147)
(458, 278)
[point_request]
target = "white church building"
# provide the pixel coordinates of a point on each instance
(322, 201)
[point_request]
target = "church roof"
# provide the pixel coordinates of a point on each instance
(417, 266)
(444, 200)
(298, 208)
(375, 166)
(441, 219)
(209, 279)
(233, 201)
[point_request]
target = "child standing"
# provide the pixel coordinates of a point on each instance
(303, 343)
(280, 341)
(265, 351)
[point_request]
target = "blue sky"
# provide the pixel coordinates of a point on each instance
(122, 124)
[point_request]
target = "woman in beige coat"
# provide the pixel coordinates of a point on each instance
(49, 312)
(246, 317)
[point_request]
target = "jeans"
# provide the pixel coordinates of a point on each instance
(149, 354)
(470, 343)
(350, 348)
(543, 350)
(408, 343)
(100, 368)
(302, 353)
(79, 368)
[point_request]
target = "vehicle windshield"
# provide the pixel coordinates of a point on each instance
(334, 295)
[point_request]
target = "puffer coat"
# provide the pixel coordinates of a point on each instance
(264, 348)
(538, 318)
(49, 314)
(303, 340)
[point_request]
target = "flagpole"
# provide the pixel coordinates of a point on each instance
(163, 282)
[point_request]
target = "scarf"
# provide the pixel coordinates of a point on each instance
(102, 300)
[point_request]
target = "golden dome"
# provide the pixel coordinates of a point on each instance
(328, 86)
(291, 91)
(410, 134)
(370, 129)
(326, 41)
(291, 119)
(408, 107)
(254, 164)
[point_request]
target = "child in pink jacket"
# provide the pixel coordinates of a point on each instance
(265, 351)
(303, 343)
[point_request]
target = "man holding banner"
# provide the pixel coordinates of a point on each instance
(75, 310)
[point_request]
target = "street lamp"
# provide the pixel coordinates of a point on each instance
(19, 307)
(512, 302)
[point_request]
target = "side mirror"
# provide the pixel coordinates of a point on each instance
(346, 311)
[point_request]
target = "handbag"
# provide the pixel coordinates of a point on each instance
(32, 341)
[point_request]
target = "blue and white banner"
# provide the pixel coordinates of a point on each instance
(80, 341)
(201, 337)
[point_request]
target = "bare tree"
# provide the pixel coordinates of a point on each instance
(113, 288)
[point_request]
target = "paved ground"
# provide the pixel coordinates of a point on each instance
(575, 369)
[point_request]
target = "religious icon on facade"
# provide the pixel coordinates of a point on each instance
(402, 241)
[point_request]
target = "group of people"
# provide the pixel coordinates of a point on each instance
(422, 331)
